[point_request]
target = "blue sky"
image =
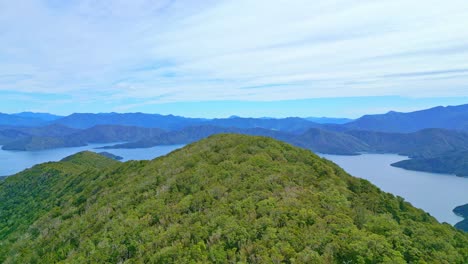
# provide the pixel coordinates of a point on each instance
(233, 57)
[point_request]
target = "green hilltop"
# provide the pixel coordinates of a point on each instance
(225, 199)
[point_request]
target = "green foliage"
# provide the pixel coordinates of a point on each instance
(225, 199)
(110, 155)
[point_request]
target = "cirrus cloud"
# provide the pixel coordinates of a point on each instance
(166, 51)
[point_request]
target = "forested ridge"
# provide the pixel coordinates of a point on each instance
(224, 199)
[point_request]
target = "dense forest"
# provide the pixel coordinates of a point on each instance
(225, 199)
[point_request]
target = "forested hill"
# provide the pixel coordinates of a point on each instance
(225, 199)
(462, 211)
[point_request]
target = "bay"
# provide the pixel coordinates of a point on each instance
(12, 162)
(435, 193)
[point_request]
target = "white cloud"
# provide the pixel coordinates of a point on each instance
(234, 49)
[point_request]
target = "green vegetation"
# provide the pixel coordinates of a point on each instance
(110, 155)
(43, 189)
(451, 163)
(225, 199)
(462, 211)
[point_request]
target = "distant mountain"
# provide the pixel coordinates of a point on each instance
(329, 120)
(9, 135)
(27, 119)
(32, 143)
(195, 133)
(450, 117)
(14, 120)
(450, 163)
(166, 122)
(462, 211)
(171, 123)
(54, 130)
(35, 138)
(41, 116)
(58, 136)
(314, 139)
(115, 133)
(421, 144)
(425, 143)
(330, 142)
(225, 199)
(290, 124)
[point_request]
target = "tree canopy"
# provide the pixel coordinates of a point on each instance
(225, 199)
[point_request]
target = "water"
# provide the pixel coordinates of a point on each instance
(436, 194)
(12, 162)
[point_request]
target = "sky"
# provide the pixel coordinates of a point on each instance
(219, 58)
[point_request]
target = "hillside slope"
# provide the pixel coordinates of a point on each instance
(425, 143)
(225, 199)
(324, 141)
(58, 136)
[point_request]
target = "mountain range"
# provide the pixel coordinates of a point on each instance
(433, 136)
(224, 199)
(450, 117)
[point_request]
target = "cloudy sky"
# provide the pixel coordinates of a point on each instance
(244, 57)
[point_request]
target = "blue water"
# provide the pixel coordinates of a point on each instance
(12, 162)
(436, 194)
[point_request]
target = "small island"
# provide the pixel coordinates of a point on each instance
(110, 155)
(462, 211)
